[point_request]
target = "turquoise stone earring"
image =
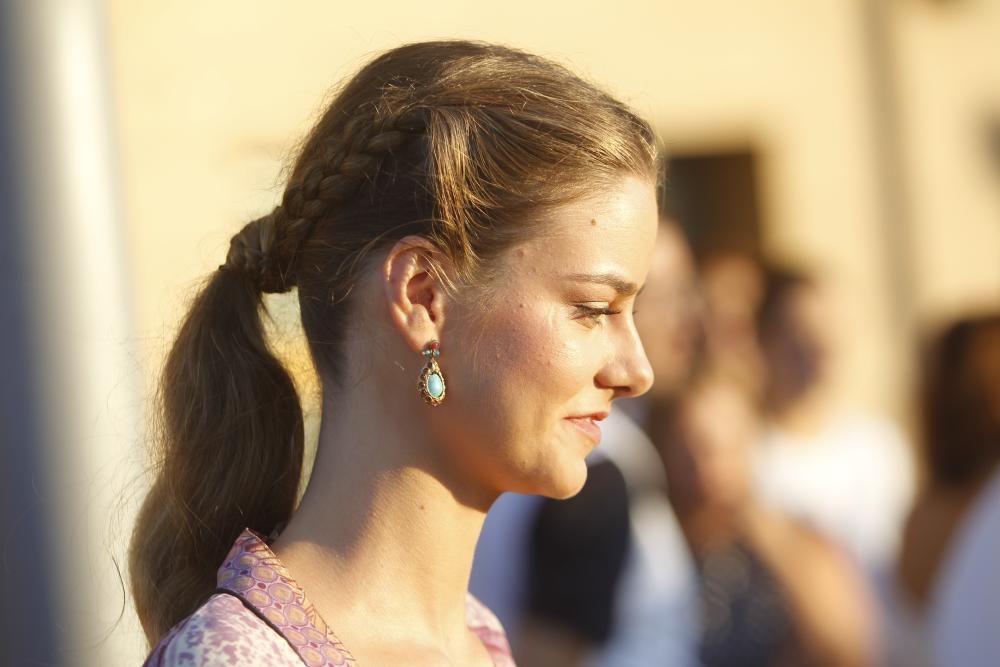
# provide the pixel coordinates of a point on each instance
(431, 382)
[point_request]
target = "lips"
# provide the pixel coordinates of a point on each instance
(588, 424)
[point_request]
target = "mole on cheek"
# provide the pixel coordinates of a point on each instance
(593, 222)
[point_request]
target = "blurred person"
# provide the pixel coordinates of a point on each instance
(671, 325)
(467, 226)
(950, 544)
(849, 474)
(733, 285)
(772, 592)
(604, 578)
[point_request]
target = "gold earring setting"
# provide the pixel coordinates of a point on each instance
(431, 384)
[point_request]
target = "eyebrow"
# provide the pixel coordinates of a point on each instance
(621, 285)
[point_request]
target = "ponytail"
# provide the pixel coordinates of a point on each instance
(229, 445)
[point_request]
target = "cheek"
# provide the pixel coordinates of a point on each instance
(527, 370)
(537, 359)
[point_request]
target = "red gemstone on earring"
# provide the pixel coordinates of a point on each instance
(433, 345)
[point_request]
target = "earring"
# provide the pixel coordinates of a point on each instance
(431, 382)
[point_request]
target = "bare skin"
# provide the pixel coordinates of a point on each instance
(384, 537)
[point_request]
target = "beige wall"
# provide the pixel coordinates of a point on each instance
(950, 76)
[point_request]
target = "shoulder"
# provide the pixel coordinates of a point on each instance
(223, 632)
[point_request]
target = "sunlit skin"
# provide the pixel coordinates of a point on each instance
(550, 351)
(387, 528)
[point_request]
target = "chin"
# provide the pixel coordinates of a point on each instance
(566, 482)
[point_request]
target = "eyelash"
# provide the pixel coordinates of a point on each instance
(595, 314)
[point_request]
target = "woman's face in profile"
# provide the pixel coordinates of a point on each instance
(557, 346)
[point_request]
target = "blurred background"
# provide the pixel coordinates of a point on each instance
(855, 140)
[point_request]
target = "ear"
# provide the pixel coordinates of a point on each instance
(413, 291)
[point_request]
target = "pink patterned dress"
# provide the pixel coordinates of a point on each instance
(259, 616)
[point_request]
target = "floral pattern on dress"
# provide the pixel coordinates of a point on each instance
(223, 632)
(261, 618)
(253, 572)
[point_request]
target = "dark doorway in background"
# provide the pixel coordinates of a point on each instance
(714, 198)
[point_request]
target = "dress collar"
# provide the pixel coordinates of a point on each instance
(253, 573)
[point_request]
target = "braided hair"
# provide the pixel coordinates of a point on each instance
(463, 143)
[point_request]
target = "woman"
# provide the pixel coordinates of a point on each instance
(467, 227)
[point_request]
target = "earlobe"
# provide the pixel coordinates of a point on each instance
(413, 291)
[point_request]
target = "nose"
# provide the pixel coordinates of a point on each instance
(628, 372)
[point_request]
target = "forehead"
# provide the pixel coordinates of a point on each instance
(610, 233)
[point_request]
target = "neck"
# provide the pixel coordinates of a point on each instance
(380, 532)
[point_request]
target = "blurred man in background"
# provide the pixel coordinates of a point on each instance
(846, 474)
